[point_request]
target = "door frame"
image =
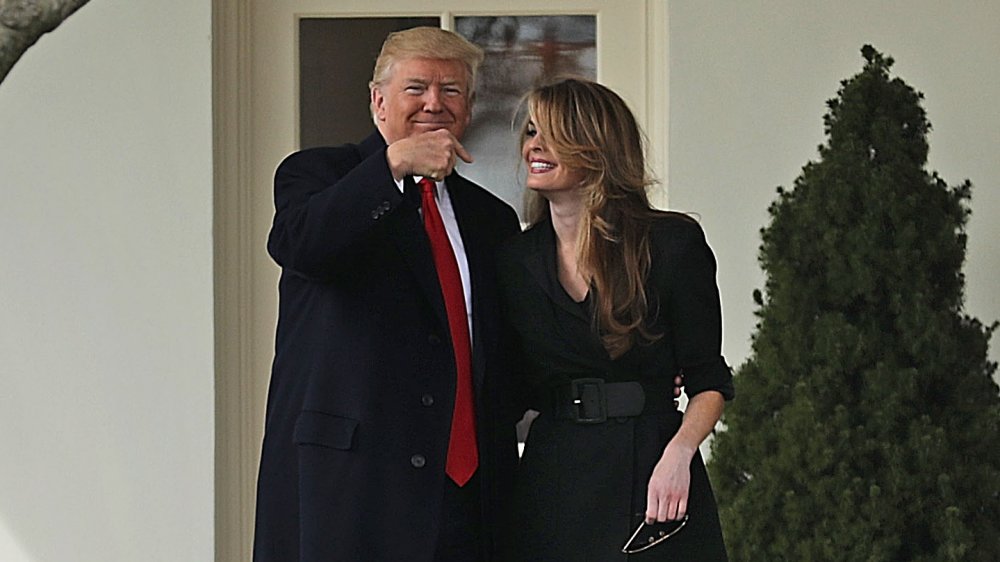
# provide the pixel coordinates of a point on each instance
(243, 283)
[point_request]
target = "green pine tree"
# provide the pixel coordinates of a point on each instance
(867, 422)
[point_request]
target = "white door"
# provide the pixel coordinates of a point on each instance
(258, 105)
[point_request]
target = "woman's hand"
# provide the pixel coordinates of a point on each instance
(667, 493)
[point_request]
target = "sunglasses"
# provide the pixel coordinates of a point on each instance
(648, 535)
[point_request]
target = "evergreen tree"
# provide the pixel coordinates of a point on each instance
(866, 420)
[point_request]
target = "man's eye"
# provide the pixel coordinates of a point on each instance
(453, 91)
(414, 89)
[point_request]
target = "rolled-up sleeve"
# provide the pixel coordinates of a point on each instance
(696, 316)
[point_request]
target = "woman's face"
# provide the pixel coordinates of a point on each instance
(545, 172)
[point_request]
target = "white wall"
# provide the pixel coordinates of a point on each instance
(748, 86)
(106, 357)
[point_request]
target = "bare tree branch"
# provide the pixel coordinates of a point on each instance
(22, 22)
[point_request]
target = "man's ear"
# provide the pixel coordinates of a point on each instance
(378, 104)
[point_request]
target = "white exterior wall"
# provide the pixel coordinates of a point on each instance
(106, 342)
(748, 88)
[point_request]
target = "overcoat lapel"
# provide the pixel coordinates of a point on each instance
(410, 237)
(459, 191)
(579, 341)
(541, 262)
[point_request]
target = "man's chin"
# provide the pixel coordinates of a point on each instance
(428, 127)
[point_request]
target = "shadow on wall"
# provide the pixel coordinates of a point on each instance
(10, 549)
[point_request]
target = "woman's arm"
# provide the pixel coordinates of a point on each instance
(667, 493)
(695, 317)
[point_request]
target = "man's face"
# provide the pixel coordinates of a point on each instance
(423, 95)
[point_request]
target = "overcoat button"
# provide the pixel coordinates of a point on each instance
(418, 461)
(434, 339)
(375, 214)
(427, 400)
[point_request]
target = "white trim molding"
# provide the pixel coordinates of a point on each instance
(236, 437)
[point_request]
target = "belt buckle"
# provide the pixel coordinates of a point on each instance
(587, 400)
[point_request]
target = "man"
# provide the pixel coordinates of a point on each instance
(384, 440)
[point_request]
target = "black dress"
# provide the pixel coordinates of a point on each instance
(582, 487)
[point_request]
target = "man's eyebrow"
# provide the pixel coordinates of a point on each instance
(427, 81)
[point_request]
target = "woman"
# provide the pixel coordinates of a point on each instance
(609, 299)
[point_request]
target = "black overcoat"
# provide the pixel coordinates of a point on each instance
(363, 382)
(581, 488)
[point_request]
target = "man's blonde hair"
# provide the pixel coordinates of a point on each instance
(426, 43)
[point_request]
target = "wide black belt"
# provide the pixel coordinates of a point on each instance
(593, 400)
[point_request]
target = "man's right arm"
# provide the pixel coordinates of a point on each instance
(326, 204)
(327, 200)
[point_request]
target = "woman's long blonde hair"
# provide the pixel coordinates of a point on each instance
(591, 129)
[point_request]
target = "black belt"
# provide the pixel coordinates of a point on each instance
(594, 401)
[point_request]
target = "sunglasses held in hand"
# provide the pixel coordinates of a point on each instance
(648, 535)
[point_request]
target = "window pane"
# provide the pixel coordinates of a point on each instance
(521, 52)
(336, 57)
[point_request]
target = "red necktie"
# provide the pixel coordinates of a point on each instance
(463, 456)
